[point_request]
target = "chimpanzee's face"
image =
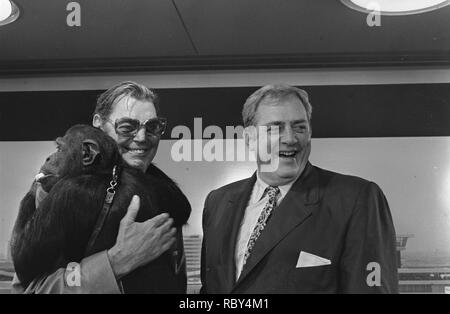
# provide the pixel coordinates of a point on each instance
(139, 150)
(75, 153)
(50, 172)
(56, 163)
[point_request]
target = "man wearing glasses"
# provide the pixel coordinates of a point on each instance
(127, 112)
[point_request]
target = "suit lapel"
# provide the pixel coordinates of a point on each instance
(295, 207)
(229, 229)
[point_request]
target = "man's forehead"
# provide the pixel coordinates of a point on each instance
(128, 106)
(274, 99)
(284, 122)
(288, 109)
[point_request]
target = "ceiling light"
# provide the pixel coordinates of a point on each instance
(9, 12)
(396, 7)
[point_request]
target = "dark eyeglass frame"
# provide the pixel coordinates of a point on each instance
(138, 125)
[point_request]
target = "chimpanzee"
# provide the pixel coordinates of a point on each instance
(58, 215)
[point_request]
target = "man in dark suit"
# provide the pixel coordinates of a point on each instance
(295, 228)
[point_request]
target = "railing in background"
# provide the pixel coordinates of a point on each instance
(6, 276)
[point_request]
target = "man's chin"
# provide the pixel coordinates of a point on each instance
(135, 163)
(281, 176)
(288, 171)
(288, 174)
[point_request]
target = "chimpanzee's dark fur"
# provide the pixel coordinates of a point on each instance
(57, 232)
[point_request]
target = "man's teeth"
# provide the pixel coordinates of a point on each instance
(138, 151)
(287, 154)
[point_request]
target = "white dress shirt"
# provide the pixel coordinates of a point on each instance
(252, 212)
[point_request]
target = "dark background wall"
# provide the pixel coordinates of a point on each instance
(339, 111)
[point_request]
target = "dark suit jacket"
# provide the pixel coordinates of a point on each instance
(341, 218)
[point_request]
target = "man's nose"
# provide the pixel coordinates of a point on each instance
(140, 135)
(288, 136)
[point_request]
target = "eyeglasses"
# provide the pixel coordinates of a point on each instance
(129, 127)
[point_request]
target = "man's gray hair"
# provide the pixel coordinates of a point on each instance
(138, 91)
(278, 92)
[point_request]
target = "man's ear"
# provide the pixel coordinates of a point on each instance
(96, 121)
(89, 152)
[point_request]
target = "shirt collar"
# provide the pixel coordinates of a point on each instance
(260, 187)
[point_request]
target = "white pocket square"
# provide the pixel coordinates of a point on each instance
(310, 260)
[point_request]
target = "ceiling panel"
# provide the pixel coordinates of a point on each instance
(132, 35)
(109, 29)
(259, 27)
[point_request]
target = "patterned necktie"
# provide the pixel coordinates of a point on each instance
(273, 192)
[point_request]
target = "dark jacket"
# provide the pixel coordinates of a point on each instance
(342, 223)
(166, 274)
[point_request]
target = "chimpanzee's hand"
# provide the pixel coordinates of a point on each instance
(140, 243)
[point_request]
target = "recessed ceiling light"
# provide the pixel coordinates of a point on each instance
(396, 7)
(9, 12)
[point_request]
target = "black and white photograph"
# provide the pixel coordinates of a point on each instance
(224, 147)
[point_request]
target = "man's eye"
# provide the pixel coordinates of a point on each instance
(300, 128)
(125, 128)
(273, 129)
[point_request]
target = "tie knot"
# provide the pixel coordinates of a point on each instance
(272, 191)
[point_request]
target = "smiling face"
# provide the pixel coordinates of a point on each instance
(292, 145)
(139, 150)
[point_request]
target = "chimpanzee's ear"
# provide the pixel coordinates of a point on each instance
(89, 151)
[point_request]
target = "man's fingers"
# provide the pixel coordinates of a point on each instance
(166, 226)
(168, 244)
(157, 221)
(168, 235)
(163, 231)
(132, 210)
(172, 232)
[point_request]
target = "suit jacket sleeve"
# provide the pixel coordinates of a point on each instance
(96, 273)
(203, 268)
(368, 263)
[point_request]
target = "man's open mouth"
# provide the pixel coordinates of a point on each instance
(137, 151)
(288, 154)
